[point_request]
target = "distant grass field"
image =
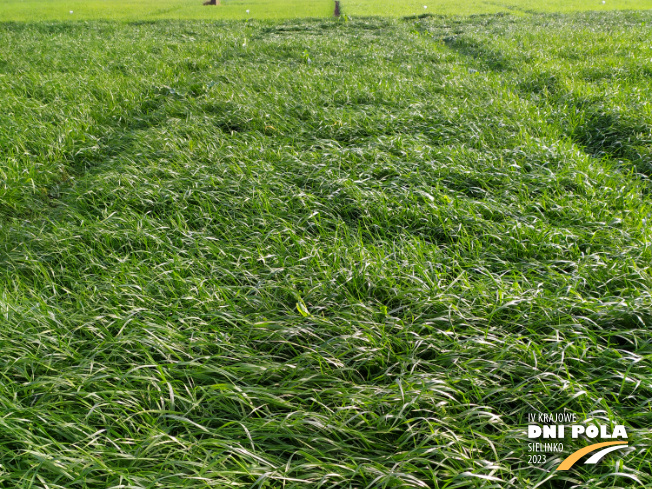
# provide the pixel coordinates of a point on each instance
(469, 7)
(20, 10)
(32, 10)
(323, 253)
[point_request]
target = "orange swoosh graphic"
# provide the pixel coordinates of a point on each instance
(574, 457)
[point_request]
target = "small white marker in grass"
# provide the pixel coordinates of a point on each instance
(71, 12)
(247, 10)
(425, 6)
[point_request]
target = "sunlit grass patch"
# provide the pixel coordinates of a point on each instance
(130, 10)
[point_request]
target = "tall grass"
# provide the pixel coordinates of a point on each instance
(321, 253)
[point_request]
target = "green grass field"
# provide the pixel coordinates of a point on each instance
(132, 10)
(320, 253)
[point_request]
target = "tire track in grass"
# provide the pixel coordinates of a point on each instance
(600, 131)
(80, 120)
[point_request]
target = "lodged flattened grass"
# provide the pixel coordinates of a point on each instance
(321, 253)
